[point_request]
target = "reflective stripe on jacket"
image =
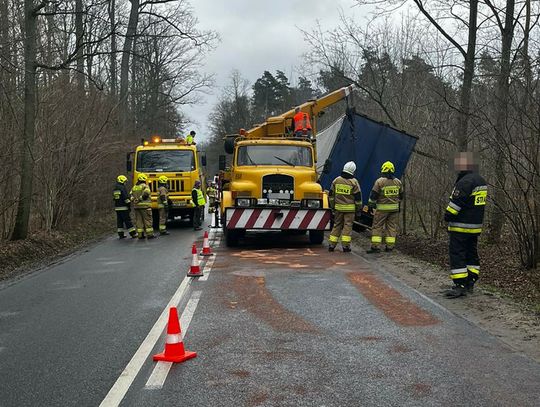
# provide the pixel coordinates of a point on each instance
(387, 194)
(467, 203)
(121, 197)
(345, 194)
(141, 196)
(163, 197)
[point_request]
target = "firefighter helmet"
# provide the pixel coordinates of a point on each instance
(121, 179)
(388, 167)
(349, 168)
(163, 179)
(142, 177)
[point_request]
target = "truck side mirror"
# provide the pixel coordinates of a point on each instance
(222, 162)
(229, 145)
(203, 160)
(327, 166)
(129, 163)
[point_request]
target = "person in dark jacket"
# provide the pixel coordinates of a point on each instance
(465, 217)
(122, 207)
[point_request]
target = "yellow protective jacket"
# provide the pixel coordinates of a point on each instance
(140, 196)
(163, 197)
(345, 194)
(386, 194)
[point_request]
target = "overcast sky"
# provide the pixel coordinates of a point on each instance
(258, 35)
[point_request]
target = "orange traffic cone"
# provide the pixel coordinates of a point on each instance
(194, 269)
(206, 246)
(174, 347)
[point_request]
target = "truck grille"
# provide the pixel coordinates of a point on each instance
(277, 183)
(174, 185)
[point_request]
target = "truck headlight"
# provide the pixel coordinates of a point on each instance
(312, 203)
(243, 202)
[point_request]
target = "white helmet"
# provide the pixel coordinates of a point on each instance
(349, 167)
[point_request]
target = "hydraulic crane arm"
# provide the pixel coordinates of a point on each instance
(276, 126)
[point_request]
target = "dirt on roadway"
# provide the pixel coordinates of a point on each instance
(504, 318)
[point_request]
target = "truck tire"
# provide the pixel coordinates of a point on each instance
(316, 236)
(231, 237)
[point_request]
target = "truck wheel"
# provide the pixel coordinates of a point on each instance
(231, 237)
(316, 236)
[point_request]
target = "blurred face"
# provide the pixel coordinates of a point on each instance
(465, 161)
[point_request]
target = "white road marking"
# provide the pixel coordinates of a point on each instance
(210, 262)
(123, 383)
(161, 370)
(207, 268)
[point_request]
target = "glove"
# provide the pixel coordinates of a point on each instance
(448, 217)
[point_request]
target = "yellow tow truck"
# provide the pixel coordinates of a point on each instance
(179, 161)
(271, 183)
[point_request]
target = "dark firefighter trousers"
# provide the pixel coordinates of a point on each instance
(464, 260)
(198, 212)
(123, 220)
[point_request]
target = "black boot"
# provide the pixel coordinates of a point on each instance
(469, 286)
(388, 249)
(331, 248)
(456, 292)
(346, 249)
(373, 250)
(121, 236)
(164, 233)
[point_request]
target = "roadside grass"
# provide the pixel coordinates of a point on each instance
(501, 272)
(41, 248)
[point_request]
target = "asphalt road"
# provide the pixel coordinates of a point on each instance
(275, 323)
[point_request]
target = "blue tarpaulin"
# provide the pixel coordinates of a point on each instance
(368, 143)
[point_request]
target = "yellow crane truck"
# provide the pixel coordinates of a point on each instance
(271, 183)
(179, 161)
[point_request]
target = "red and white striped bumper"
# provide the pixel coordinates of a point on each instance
(277, 219)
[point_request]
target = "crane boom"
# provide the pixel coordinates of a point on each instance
(276, 126)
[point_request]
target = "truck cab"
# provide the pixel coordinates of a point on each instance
(180, 162)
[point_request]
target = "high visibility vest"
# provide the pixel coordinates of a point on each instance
(189, 139)
(301, 121)
(200, 197)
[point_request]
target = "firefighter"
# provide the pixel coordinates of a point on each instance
(302, 125)
(122, 205)
(190, 137)
(140, 195)
(385, 197)
(346, 199)
(197, 197)
(465, 216)
(163, 204)
(211, 191)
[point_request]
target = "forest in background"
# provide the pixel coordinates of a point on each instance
(460, 75)
(81, 81)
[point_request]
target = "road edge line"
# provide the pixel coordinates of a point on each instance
(119, 389)
(161, 369)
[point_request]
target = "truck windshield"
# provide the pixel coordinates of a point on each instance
(274, 155)
(165, 161)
